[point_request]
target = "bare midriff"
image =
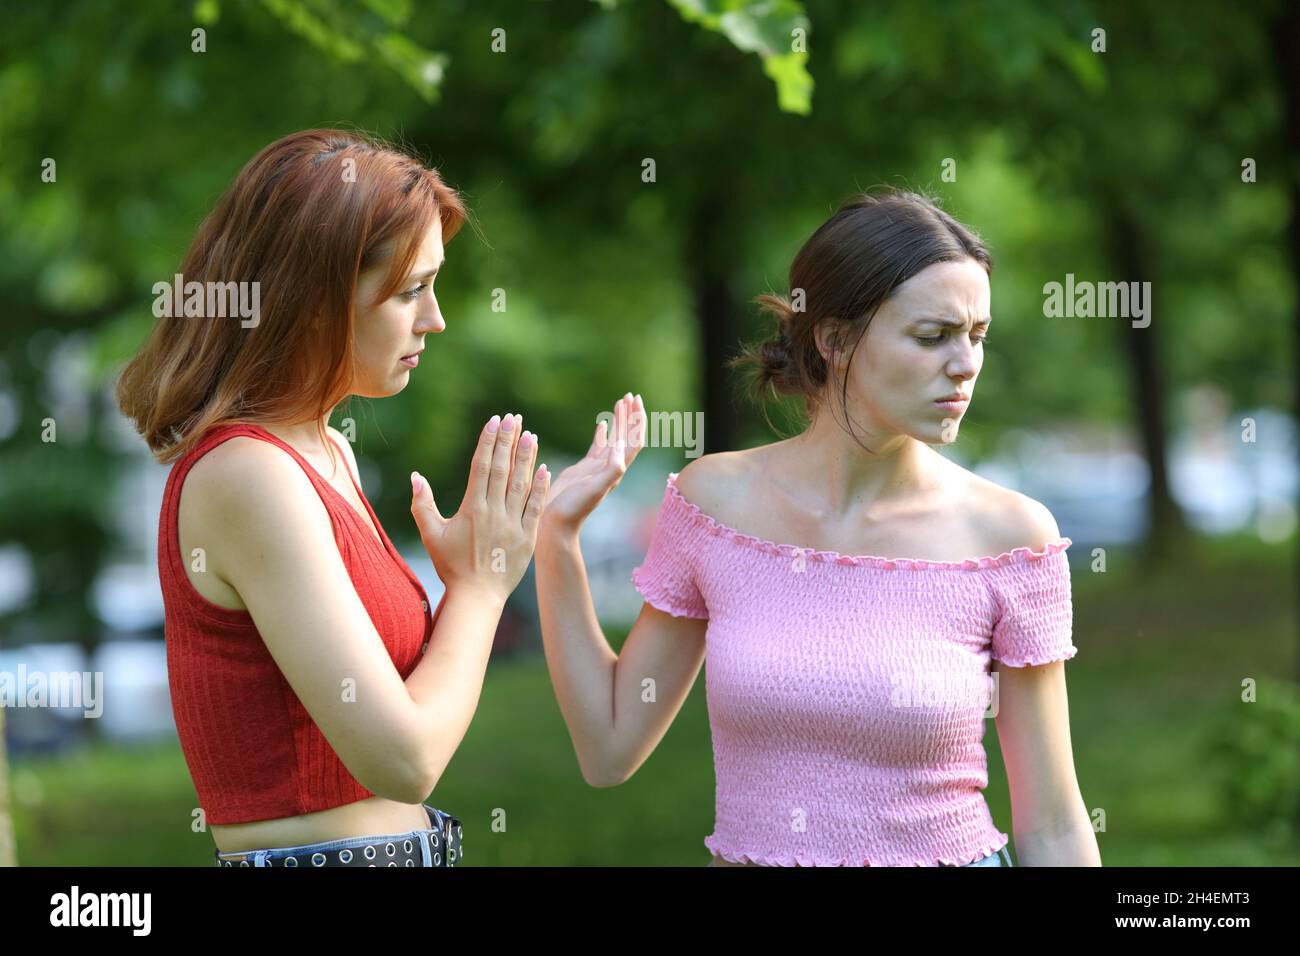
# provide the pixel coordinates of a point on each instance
(374, 816)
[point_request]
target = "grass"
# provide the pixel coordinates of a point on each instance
(1160, 665)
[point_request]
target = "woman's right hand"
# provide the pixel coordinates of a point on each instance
(582, 486)
(487, 544)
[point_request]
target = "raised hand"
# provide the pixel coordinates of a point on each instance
(487, 544)
(578, 489)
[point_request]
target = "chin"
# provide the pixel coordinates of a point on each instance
(391, 388)
(929, 433)
(946, 436)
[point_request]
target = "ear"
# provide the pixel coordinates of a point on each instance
(826, 340)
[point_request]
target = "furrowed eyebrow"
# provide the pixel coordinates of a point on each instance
(952, 323)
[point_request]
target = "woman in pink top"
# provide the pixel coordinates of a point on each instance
(849, 674)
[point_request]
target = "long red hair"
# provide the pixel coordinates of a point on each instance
(304, 218)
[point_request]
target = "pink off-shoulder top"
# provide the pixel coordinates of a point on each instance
(847, 695)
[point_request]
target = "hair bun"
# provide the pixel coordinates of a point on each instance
(777, 306)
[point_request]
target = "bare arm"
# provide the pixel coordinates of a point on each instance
(1049, 818)
(617, 706)
(278, 552)
(446, 685)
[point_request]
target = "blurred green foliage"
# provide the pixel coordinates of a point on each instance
(1257, 751)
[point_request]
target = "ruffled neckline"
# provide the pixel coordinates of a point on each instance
(865, 560)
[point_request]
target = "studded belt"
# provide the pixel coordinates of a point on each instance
(439, 845)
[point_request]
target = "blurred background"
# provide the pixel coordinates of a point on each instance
(640, 170)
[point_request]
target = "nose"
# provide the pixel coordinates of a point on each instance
(430, 317)
(963, 364)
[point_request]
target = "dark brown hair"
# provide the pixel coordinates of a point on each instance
(840, 278)
(303, 219)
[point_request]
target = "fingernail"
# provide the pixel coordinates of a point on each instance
(541, 470)
(526, 438)
(509, 423)
(493, 422)
(417, 482)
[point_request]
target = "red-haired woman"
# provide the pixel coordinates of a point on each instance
(317, 696)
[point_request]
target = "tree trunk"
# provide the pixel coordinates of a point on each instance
(709, 267)
(1167, 532)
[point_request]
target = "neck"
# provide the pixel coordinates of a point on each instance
(847, 477)
(304, 436)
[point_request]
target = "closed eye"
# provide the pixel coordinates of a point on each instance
(412, 294)
(936, 339)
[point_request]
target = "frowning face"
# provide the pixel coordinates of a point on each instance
(924, 344)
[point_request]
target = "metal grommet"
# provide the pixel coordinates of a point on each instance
(370, 852)
(318, 859)
(391, 863)
(291, 861)
(410, 863)
(227, 862)
(407, 845)
(458, 833)
(451, 857)
(243, 863)
(437, 859)
(345, 856)
(390, 849)
(435, 838)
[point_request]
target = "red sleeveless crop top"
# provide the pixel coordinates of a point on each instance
(252, 749)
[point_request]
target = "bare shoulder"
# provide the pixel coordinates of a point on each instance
(245, 465)
(1006, 519)
(245, 483)
(711, 481)
(725, 485)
